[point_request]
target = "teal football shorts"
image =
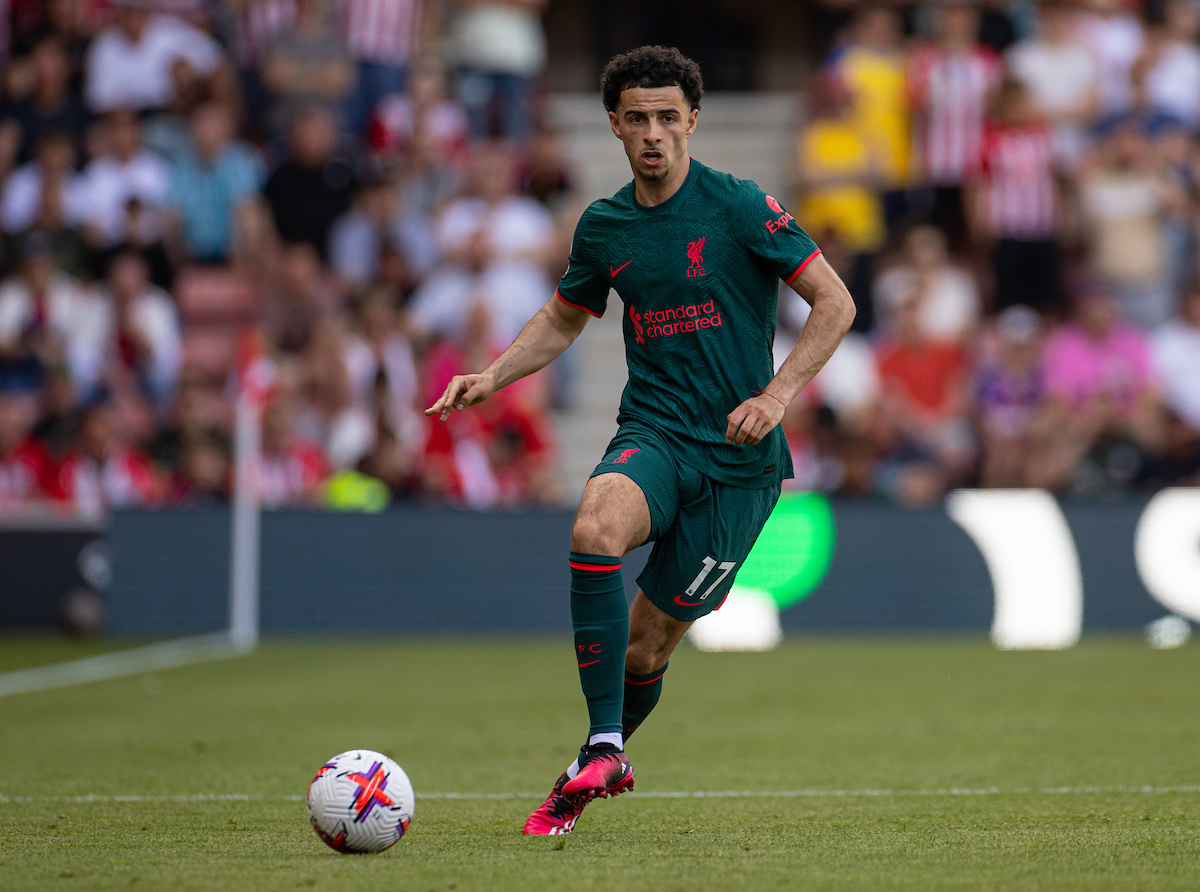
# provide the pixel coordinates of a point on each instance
(702, 529)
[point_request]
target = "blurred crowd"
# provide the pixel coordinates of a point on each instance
(1011, 192)
(363, 185)
(370, 188)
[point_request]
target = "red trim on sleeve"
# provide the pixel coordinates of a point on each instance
(558, 294)
(809, 259)
(594, 568)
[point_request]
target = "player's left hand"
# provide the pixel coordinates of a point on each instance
(753, 420)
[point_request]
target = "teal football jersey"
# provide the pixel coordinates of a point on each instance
(699, 278)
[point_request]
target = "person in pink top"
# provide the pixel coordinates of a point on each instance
(1101, 392)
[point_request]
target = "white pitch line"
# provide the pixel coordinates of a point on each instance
(151, 658)
(647, 794)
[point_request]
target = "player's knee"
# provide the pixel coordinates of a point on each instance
(643, 657)
(591, 535)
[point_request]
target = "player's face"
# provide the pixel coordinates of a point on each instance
(654, 123)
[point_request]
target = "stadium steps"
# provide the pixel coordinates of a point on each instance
(747, 134)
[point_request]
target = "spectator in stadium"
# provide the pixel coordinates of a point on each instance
(51, 105)
(1176, 350)
(213, 190)
(383, 37)
(103, 472)
(253, 27)
(1113, 34)
(381, 369)
(951, 80)
(47, 319)
(423, 106)
(949, 303)
(815, 445)
(497, 247)
(147, 349)
(499, 49)
(357, 238)
(426, 185)
(827, 425)
(502, 457)
(1008, 395)
(67, 246)
(204, 472)
(292, 468)
(129, 64)
(1017, 204)
(24, 462)
(21, 198)
(328, 414)
(125, 172)
(1124, 201)
(1171, 61)
(1061, 76)
(924, 411)
(545, 172)
(315, 184)
(198, 407)
(872, 68)
(839, 184)
(1102, 398)
(72, 22)
(308, 66)
(58, 426)
(379, 238)
(299, 299)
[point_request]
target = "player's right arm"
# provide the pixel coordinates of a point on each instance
(544, 337)
(582, 292)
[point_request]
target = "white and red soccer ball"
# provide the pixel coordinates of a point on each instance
(360, 801)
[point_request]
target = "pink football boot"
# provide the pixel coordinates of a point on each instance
(555, 816)
(603, 771)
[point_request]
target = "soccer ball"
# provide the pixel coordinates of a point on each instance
(360, 801)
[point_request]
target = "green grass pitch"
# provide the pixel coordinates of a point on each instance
(1056, 747)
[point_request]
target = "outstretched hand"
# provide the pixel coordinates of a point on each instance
(462, 391)
(753, 420)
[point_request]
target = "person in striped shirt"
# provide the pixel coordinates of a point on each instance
(382, 36)
(1016, 201)
(950, 81)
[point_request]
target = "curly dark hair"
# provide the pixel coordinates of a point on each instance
(651, 66)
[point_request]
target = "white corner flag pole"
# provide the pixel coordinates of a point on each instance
(255, 381)
(256, 376)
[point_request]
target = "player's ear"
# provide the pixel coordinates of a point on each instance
(693, 117)
(612, 122)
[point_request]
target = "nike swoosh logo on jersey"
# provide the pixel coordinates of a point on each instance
(612, 273)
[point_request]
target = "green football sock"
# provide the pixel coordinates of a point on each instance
(600, 615)
(641, 696)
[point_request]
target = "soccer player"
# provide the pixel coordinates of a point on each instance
(698, 458)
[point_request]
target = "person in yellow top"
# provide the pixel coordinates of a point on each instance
(838, 171)
(872, 68)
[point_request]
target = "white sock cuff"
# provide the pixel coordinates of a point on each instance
(613, 737)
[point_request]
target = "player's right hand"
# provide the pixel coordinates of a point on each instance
(462, 391)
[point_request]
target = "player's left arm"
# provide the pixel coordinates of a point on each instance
(832, 313)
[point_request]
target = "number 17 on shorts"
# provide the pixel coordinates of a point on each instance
(710, 564)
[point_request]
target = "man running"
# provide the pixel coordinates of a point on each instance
(699, 456)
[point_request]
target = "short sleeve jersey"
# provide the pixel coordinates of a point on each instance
(699, 277)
